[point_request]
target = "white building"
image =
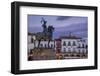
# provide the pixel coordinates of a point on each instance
(73, 44)
(31, 37)
(82, 45)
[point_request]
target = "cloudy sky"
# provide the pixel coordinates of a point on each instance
(63, 25)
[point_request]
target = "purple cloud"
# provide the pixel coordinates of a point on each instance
(63, 17)
(63, 24)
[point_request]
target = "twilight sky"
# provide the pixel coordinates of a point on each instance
(77, 25)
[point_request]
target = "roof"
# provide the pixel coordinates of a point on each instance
(31, 33)
(58, 39)
(70, 37)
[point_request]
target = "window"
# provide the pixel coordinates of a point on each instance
(86, 51)
(83, 40)
(74, 50)
(45, 45)
(41, 45)
(83, 51)
(51, 45)
(31, 40)
(69, 50)
(79, 46)
(79, 50)
(86, 46)
(64, 43)
(64, 49)
(83, 45)
(74, 44)
(69, 43)
(31, 51)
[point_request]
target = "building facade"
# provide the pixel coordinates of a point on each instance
(58, 45)
(69, 44)
(73, 44)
